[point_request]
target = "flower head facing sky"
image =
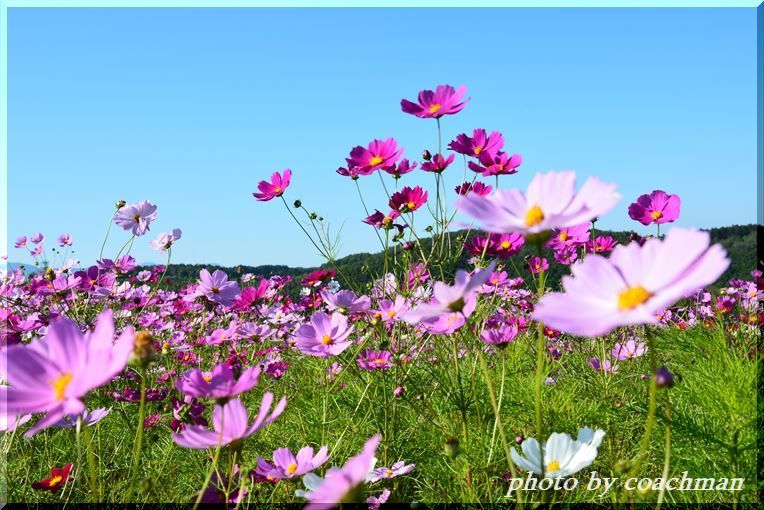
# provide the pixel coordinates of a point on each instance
(445, 100)
(380, 154)
(550, 202)
(275, 188)
(634, 284)
(136, 217)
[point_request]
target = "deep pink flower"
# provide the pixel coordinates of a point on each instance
(219, 384)
(538, 264)
(569, 236)
(437, 164)
(278, 185)
(602, 244)
(433, 105)
(478, 188)
(408, 199)
(385, 221)
(325, 335)
(501, 335)
(506, 245)
(658, 207)
(480, 143)
(633, 285)
(374, 360)
(379, 154)
(401, 168)
(477, 245)
(499, 163)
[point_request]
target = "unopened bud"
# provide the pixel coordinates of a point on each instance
(120, 204)
(143, 350)
(664, 378)
(451, 447)
(426, 155)
(297, 204)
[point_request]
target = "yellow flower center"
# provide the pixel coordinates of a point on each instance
(564, 236)
(60, 384)
(291, 468)
(656, 215)
(478, 150)
(632, 297)
(207, 378)
(374, 161)
(55, 480)
(534, 216)
(277, 189)
(505, 245)
(327, 340)
(391, 313)
(389, 473)
(387, 221)
(434, 108)
(553, 466)
(411, 205)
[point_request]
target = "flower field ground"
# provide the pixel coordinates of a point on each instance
(531, 359)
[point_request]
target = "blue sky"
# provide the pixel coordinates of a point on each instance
(191, 108)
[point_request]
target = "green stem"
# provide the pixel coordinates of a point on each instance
(91, 465)
(138, 445)
(667, 454)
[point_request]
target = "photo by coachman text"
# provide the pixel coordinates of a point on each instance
(685, 483)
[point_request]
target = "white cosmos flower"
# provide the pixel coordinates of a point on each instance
(563, 456)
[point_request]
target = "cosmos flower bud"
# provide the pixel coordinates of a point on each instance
(519, 439)
(120, 204)
(399, 391)
(428, 229)
(451, 447)
(143, 350)
(426, 155)
(313, 216)
(297, 204)
(664, 378)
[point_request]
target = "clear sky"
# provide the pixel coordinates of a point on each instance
(191, 108)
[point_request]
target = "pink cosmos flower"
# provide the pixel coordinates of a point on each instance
(136, 217)
(354, 172)
(219, 384)
(379, 154)
(345, 301)
(478, 188)
(506, 245)
(340, 483)
(65, 240)
(602, 244)
(433, 105)
(379, 220)
(627, 350)
(287, 465)
(499, 163)
(658, 207)
(374, 360)
(479, 143)
(438, 163)
(550, 202)
(633, 284)
(21, 242)
(408, 199)
(401, 168)
(569, 236)
(392, 310)
(605, 366)
(217, 288)
(165, 240)
(52, 375)
(501, 335)
(461, 297)
(384, 473)
(229, 423)
(537, 264)
(326, 335)
(37, 238)
(376, 502)
(278, 185)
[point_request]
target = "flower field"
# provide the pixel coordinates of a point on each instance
(628, 381)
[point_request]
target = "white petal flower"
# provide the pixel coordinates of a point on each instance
(563, 456)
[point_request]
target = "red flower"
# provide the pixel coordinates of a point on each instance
(58, 478)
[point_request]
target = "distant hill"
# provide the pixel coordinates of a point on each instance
(740, 242)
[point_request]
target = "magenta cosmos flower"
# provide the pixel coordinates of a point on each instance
(633, 285)
(658, 207)
(326, 335)
(408, 199)
(340, 483)
(569, 237)
(65, 240)
(478, 188)
(52, 375)
(219, 384)
(433, 105)
(136, 217)
(217, 288)
(379, 154)
(230, 424)
(550, 202)
(278, 185)
(374, 360)
(461, 297)
(438, 163)
(499, 163)
(479, 143)
(288, 465)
